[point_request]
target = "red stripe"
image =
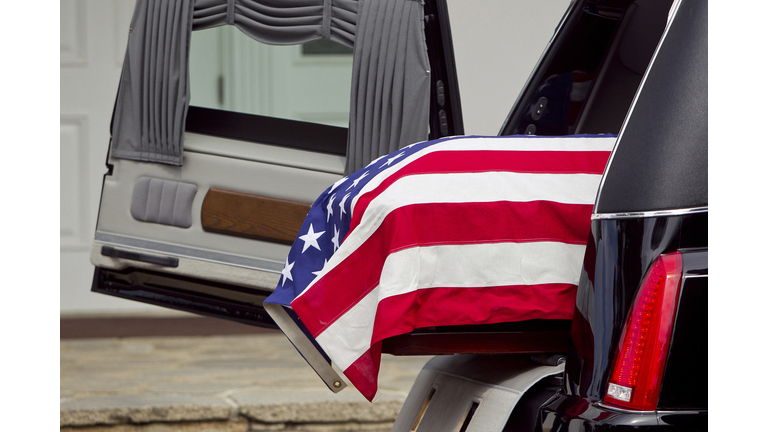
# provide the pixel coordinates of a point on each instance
(456, 306)
(364, 372)
(436, 224)
(465, 306)
(469, 161)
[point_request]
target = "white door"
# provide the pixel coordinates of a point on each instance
(93, 39)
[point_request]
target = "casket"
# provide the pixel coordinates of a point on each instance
(460, 245)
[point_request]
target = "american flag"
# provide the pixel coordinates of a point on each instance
(463, 230)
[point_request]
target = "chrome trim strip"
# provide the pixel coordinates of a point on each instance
(657, 213)
(670, 18)
(187, 252)
(660, 412)
(671, 412)
(621, 410)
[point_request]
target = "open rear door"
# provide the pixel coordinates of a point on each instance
(210, 176)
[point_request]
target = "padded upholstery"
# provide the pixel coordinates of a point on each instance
(165, 202)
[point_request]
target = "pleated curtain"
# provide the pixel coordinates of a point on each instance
(153, 97)
(282, 22)
(390, 83)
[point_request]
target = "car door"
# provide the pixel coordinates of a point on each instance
(216, 156)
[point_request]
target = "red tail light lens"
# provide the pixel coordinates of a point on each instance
(637, 371)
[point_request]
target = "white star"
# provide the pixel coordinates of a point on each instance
(335, 239)
(329, 208)
(338, 182)
(392, 159)
(341, 204)
(354, 183)
(375, 160)
(310, 239)
(287, 271)
(317, 273)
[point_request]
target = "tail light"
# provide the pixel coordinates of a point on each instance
(637, 371)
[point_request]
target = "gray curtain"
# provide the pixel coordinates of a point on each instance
(281, 22)
(390, 83)
(152, 100)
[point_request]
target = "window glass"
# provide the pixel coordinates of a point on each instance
(557, 103)
(230, 71)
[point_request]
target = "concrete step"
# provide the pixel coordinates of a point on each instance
(256, 382)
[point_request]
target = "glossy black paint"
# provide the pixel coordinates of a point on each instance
(619, 253)
(565, 413)
(445, 117)
(659, 164)
(660, 160)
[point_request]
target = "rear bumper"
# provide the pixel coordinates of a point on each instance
(570, 413)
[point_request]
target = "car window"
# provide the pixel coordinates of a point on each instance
(588, 78)
(310, 83)
(560, 95)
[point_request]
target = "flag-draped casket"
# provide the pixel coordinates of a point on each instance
(459, 231)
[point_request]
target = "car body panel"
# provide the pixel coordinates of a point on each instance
(469, 392)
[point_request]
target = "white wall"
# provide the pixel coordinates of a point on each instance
(496, 44)
(93, 36)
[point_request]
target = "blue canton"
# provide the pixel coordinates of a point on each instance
(327, 224)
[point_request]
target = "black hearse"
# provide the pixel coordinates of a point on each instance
(639, 351)
(637, 354)
(634, 357)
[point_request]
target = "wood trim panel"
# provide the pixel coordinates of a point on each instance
(252, 216)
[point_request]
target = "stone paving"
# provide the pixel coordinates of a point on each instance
(215, 383)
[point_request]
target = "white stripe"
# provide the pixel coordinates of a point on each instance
(480, 265)
(352, 332)
(487, 187)
(464, 187)
(460, 266)
(516, 143)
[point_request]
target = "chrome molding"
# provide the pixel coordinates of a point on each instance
(659, 412)
(657, 213)
(622, 410)
(187, 252)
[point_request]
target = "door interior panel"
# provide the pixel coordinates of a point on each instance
(205, 171)
(263, 179)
